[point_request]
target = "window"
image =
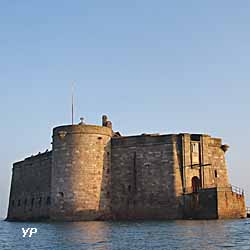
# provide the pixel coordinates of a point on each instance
(13, 203)
(19, 203)
(25, 202)
(195, 147)
(195, 152)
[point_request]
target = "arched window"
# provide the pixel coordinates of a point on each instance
(196, 184)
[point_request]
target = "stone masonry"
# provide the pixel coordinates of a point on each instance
(94, 173)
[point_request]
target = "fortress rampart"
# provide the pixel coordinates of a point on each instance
(146, 181)
(93, 173)
(30, 188)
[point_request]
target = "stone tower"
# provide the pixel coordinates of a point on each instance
(80, 179)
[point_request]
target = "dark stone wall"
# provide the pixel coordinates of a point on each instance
(214, 203)
(201, 205)
(145, 179)
(30, 188)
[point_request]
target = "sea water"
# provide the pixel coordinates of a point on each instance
(139, 235)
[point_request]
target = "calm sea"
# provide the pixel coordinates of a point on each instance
(225, 234)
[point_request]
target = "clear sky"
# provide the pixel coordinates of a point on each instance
(152, 66)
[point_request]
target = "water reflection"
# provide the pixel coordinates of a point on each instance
(210, 235)
(83, 235)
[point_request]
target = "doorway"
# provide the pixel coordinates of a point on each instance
(196, 184)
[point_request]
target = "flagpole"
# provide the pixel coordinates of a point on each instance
(72, 103)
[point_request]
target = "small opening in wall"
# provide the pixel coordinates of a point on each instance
(32, 202)
(40, 201)
(99, 138)
(61, 194)
(215, 173)
(19, 203)
(25, 202)
(13, 203)
(129, 188)
(48, 200)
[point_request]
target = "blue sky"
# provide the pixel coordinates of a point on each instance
(152, 66)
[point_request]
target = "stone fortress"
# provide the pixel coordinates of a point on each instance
(93, 173)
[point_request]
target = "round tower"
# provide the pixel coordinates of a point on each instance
(80, 180)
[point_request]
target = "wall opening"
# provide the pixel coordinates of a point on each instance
(61, 194)
(40, 201)
(48, 201)
(215, 174)
(32, 202)
(196, 184)
(195, 153)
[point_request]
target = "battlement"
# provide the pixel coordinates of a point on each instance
(82, 129)
(31, 160)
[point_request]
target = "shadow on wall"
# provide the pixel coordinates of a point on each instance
(105, 187)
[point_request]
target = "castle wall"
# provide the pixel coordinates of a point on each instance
(201, 205)
(209, 167)
(214, 203)
(145, 179)
(230, 204)
(216, 157)
(30, 188)
(90, 175)
(81, 172)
